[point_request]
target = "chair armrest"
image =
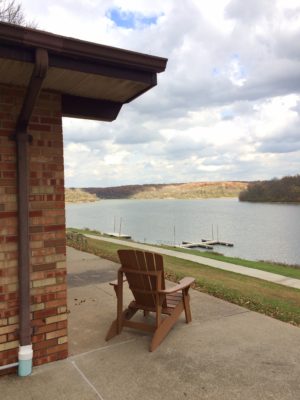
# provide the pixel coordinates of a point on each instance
(183, 284)
(115, 282)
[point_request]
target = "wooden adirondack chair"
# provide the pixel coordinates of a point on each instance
(145, 275)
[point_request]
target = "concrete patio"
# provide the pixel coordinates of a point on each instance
(227, 352)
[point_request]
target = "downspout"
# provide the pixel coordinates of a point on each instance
(25, 354)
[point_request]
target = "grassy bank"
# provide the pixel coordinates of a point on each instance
(290, 271)
(268, 298)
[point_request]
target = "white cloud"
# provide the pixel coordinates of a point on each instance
(227, 107)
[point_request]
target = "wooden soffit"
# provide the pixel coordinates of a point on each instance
(89, 76)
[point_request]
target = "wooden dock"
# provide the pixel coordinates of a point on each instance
(217, 242)
(203, 245)
(117, 235)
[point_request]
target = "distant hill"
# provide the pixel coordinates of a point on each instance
(286, 190)
(79, 196)
(193, 190)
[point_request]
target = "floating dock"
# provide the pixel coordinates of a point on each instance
(217, 242)
(203, 245)
(117, 235)
(206, 244)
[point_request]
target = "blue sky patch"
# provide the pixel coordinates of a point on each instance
(227, 115)
(128, 19)
(216, 72)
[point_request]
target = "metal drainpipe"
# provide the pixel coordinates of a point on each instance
(25, 354)
(25, 366)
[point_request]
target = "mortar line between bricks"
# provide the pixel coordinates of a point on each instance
(99, 349)
(86, 380)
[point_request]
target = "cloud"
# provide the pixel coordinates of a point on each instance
(249, 12)
(287, 141)
(137, 136)
(296, 108)
(185, 148)
(84, 131)
(227, 106)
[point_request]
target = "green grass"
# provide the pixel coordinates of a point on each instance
(275, 300)
(290, 271)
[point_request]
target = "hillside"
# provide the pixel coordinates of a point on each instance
(194, 190)
(286, 190)
(79, 196)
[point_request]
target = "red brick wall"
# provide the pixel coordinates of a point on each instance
(47, 229)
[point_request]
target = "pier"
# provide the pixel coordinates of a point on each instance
(117, 235)
(208, 243)
(217, 242)
(203, 245)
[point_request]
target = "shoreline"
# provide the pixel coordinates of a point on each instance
(154, 198)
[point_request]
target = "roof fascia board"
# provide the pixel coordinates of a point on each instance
(81, 49)
(91, 67)
(87, 66)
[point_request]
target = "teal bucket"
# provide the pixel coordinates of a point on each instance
(25, 360)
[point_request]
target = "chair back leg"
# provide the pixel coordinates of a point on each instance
(186, 304)
(120, 303)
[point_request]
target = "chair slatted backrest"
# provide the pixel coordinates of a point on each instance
(143, 286)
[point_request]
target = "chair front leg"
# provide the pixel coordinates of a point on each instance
(113, 330)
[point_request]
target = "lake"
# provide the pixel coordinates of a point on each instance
(259, 231)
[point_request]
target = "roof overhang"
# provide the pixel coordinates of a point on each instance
(94, 80)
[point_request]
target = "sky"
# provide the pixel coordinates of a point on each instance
(226, 108)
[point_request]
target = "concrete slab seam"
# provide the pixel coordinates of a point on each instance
(111, 294)
(100, 349)
(86, 380)
(196, 323)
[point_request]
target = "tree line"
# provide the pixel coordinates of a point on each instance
(286, 189)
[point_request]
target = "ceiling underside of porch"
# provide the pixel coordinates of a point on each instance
(88, 74)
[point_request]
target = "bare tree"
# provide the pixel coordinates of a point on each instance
(12, 12)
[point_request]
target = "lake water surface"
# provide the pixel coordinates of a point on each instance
(259, 231)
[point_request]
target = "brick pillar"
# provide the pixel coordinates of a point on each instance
(47, 229)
